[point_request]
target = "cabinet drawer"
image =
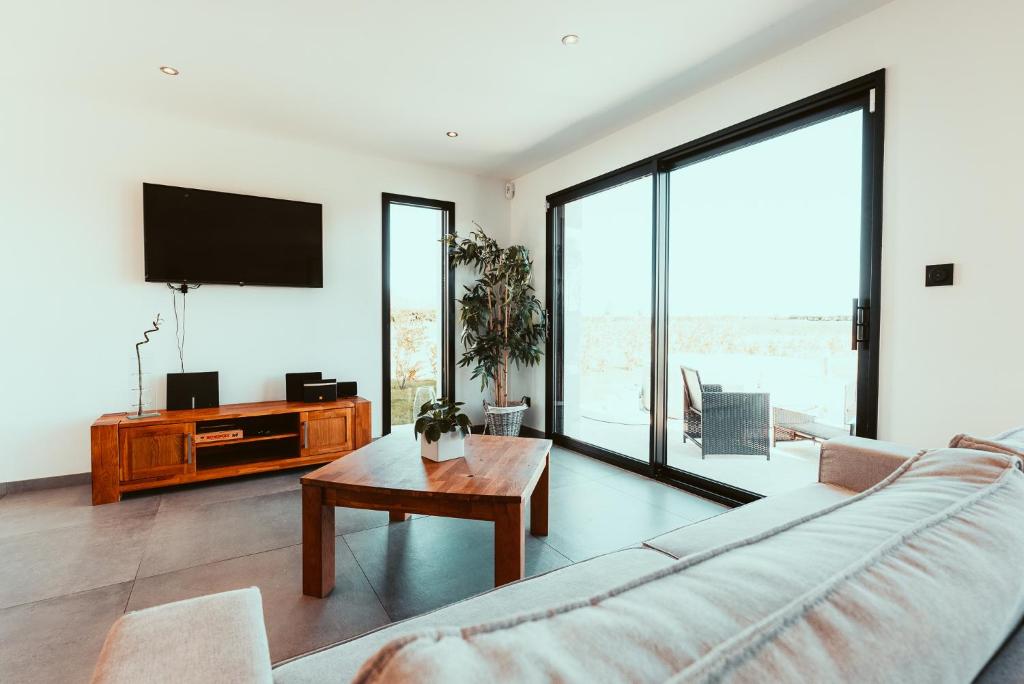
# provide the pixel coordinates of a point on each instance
(326, 431)
(156, 451)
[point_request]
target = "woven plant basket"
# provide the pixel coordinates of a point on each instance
(504, 421)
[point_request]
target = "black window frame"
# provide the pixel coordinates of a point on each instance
(448, 299)
(866, 93)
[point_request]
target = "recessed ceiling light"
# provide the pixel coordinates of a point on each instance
(452, 134)
(570, 39)
(169, 70)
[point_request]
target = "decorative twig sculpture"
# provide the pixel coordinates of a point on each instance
(138, 357)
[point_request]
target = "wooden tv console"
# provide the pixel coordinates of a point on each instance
(129, 455)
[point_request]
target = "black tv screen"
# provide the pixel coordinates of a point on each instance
(201, 236)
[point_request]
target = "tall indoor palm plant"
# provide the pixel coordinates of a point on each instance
(503, 322)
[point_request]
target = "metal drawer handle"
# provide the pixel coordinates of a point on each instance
(191, 449)
(305, 435)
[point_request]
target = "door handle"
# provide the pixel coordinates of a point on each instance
(305, 435)
(190, 450)
(859, 329)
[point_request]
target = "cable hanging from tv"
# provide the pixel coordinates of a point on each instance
(184, 287)
(179, 331)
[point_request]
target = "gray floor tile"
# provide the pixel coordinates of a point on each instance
(227, 490)
(592, 518)
(295, 623)
(58, 640)
(348, 520)
(672, 499)
(562, 476)
(65, 560)
(426, 563)
(48, 509)
(188, 536)
(584, 465)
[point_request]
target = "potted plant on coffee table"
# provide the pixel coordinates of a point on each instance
(503, 322)
(442, 428)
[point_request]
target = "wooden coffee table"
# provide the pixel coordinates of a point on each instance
(492, 482)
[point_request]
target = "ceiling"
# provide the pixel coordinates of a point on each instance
(389, 77)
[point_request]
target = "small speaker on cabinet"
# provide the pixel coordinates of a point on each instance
(323, 390)
(293, 383)
(938, 274)
(347, 389)
(193, 390)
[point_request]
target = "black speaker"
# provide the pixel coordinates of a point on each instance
(193, 390)
(347, 389)
(324, 390)
(293, 383)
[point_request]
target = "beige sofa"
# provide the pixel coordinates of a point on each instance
(587, 622)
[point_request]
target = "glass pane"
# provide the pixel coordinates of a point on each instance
(764, 259)
(416, 322)
(606, 324)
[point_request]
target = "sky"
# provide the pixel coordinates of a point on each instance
(769, 229)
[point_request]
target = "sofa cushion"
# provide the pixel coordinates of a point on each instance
(866, 589)
(215, 638)
(339, 663)
(753, 518)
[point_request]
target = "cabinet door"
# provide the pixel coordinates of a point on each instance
(157, 451)
(326, 431)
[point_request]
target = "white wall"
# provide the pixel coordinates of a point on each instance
(950, 357)
(71, 267)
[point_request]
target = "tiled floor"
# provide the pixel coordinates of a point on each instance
(68, 569)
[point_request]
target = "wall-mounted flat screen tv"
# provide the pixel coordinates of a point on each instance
(201, 236)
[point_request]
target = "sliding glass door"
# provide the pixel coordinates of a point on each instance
(715, 307)
(763, 265)
(604, 323)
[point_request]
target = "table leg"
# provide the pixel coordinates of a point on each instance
(509, 544)
(539, 503)
(397, 516)
(317, 543)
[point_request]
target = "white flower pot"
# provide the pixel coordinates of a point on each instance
(451, 445)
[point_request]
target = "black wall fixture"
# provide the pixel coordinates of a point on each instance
(938, 274)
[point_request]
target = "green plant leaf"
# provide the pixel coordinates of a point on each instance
(433, 432)
(420, 424)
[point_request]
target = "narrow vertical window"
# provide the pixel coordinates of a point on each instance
(418, 328)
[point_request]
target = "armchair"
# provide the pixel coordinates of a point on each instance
(724, 422)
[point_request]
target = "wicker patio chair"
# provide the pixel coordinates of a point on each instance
(724, 422)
